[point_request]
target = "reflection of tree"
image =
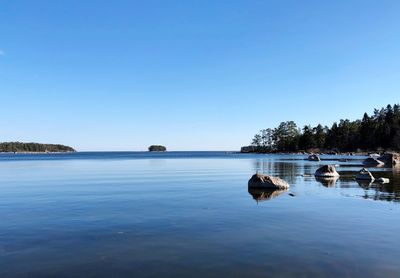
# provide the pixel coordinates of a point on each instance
(328, 182)
(381, 192)
(264, 194)
(308, 169)
(282, 169)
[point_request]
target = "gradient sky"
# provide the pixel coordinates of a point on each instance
(192, 75)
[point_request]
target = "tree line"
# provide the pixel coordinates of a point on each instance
(380, 131)
(157, 148)
(33, 147)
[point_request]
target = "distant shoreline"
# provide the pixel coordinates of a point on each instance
(32, 147)
(226, 152)
(317, 153)
(61, 152)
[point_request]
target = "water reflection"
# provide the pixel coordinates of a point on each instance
(261, 195)
(328, 182)
(380, 192)
(290, 170)
(365, 184)
(285, 170)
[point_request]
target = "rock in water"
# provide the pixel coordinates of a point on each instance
(327, 171)
(373, 162)
(365, 175)
(265, 181)
(314, 157)
(383, 180)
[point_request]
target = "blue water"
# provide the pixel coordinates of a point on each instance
(190, 214)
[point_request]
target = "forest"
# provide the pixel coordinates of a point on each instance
(33, 147)
(376, 132)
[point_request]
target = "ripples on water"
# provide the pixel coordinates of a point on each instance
(192, 215)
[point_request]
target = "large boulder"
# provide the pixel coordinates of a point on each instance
(327, 171)
(373, 162)
(265, 181)
(390, 159)
(365, 175)
(314, 157)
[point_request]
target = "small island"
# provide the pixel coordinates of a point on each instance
(157, 148)
(19, 147)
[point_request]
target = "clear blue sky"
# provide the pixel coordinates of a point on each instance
(192, 75)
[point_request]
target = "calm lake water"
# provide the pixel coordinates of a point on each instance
(190, 214)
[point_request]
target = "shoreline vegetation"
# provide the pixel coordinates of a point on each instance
(20, 147)
(379, 133)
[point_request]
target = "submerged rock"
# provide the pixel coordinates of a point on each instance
(327, 171)
(365, 175)
(373, 162)
(383, 180)
(265, 181)
(314, 157)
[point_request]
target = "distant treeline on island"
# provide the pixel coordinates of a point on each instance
(33, 147)
(380, 131)
(157, 148)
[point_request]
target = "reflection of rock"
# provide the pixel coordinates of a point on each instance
(314, 157)
(364, 174)
(365, 183)
(373, 162)
(380, 192)
(265, 181)
(260, 194)
(327, 171)
(327, 181)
